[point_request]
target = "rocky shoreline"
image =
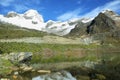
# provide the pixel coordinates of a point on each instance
(17, 66)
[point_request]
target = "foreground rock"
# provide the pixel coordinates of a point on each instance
(63, 75)
(25, 68)
(21, 57)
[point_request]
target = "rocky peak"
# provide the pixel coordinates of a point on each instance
(108, 12)
(111, 14)
(114, 16)
(12, 14)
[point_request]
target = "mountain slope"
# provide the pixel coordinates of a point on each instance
(105, 25)
(11, 31)
(105, 22)
(31, 19)
(104, 28)
(100, 24)
(79, 30)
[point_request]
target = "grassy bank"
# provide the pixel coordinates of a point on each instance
(31, 47)
(9, 31)
(45, 53)
(50, 53)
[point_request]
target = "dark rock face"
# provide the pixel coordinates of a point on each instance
(79, 30)
(101, 24)
(106, 24)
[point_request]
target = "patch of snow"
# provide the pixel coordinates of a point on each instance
(74, 20)
(86, 20)
(60, 28)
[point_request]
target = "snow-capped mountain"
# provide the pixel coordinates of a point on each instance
(59, 28)
(34, 15)
(33, 20)
(30, 19)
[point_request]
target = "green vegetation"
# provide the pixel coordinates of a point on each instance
(10, 31)
(5, 66)
(31, 47)
(49, 53)
(45, 53)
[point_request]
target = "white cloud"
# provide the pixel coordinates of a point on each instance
(20, 5)
(5, 3)
(113, 5)
(69, 15)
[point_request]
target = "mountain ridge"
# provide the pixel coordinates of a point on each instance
(31, 19)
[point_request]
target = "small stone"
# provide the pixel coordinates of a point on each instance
(44, 71)
(16, 73)
(27, 69)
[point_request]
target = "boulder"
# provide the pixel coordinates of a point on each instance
(89, 64)
(20, 57)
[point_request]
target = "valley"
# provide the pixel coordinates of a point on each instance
(77, 49)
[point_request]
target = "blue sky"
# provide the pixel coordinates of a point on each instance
(60, 9)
